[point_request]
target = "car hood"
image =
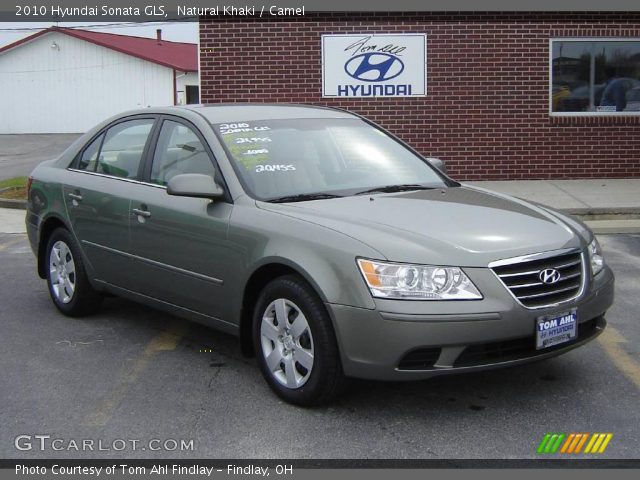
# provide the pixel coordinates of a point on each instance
(463, 226)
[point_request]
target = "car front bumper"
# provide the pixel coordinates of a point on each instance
(412, 340)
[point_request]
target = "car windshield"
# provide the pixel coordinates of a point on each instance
(302, 159)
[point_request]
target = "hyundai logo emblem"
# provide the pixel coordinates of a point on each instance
(549, 276)
(374, 67)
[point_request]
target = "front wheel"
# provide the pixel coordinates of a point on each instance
(69, 287)
(295, 343)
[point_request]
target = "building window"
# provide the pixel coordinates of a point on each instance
(595, 77)
(193, 94)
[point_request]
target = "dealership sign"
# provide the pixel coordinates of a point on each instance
(374, 65)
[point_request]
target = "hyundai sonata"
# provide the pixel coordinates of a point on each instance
(329, 246)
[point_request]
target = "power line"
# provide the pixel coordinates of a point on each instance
(105, 25)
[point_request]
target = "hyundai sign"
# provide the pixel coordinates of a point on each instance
(371, 65)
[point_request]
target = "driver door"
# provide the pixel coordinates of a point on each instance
(180, 244)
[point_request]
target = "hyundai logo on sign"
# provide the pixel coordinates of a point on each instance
(374, 67)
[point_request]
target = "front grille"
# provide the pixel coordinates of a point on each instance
(522, 278)
(518, 348)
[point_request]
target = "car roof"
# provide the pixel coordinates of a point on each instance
(244, 112)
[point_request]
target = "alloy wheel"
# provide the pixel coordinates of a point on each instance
(62, 272)
(287, 343)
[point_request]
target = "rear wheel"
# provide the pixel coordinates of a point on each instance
(69, 287)
(295, 343)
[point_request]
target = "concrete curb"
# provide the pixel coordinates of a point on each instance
(12, 203)
(603, 227)
(15, 204)
(601, 210)
(601, 213)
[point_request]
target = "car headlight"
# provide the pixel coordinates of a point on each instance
(417, 282)
(596, 259)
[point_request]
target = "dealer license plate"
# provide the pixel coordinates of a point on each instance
(556, 329)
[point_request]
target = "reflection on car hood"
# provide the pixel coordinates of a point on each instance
(455, 226)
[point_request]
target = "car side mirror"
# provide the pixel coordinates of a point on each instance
(194, 185)
(438, 163)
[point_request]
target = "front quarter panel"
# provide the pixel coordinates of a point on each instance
(325, 258)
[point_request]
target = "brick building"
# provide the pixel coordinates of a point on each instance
(508, 95)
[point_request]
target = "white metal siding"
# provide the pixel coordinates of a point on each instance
(70, 89)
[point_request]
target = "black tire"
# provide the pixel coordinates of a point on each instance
(325, 380)
(84, 299)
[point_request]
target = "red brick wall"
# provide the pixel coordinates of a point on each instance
(486, 109)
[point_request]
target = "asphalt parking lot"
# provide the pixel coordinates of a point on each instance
(19, 154)
(130, 372)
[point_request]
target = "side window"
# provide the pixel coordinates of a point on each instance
(122, 149)
(89, 159)
(179, 151)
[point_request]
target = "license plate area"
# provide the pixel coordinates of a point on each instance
(556, 329)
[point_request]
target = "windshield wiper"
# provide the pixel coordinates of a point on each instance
(395, 188)
(303, 197)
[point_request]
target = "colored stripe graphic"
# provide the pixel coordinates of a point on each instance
(596, 446)
(592, 440)
(543, 443)
(572, 443)
(582, 442)
(551, 442)
(556, 445)
(607, 439)
(567, 442)
(598, 442)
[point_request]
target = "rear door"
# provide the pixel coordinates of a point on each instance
(98, 193)
(180, 244)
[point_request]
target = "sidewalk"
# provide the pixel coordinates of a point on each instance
(607, 206)
(12, 220)
(577, 197)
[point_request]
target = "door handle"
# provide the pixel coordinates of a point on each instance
(75, 196)
(142, 213)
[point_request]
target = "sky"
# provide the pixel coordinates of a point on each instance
(175, 31)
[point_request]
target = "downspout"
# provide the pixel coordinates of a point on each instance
(199, 67)
(175, 88)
